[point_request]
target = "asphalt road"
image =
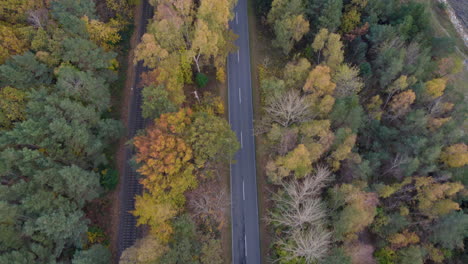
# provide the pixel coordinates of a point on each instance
(128, 232)
(244, 206)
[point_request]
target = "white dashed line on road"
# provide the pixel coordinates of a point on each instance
(242, 143)
(238, 56)
(243, 190)
(240, 97)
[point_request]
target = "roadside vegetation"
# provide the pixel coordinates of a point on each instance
(58, 70)
(183, 153)
(364, 135)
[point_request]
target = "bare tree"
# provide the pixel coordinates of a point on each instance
(301, 216)
(38, 18)
(289, 108)
(312, 245)
(209, 200)
(288, 142)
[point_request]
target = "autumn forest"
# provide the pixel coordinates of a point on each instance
(359, 122)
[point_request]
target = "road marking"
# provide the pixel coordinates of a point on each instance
(243, 190)
(237, 21)
(245, 240)
(242, 144)
(240, 97)
(238, 57)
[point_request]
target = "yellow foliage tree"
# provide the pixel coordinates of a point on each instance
(374, 107)
(11, 42)
(319, 82)
(403, 239)
(151, 211)
(455, 156)
(105, 35)
(435, 88)
(400, 104)
(433, 197)
(298, 161)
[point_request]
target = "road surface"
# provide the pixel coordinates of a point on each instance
(244, 208)
(128, 232)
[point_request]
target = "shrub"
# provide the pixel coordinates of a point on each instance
(201, 80)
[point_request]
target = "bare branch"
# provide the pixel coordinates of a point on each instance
(289, 108)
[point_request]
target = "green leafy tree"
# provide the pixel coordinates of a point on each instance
(183, 247)
(211, 252)
(330, 15)
(96, 254)
(24, 71)
(156, 102)
(451, 230)
(211, 139)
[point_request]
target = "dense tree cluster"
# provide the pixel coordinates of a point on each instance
(181, 154)
(183, 34)
(56, 67)
(371, 93)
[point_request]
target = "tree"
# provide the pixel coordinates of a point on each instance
(433, 197)
(403, 239)
(86, 55)
(211, 252)
(319, 82)
(347, 81)
(331, 15)
(156, 102)
(348, 112)
(455, 156)
(150, 52)
(435, 87)
(157, 213)
(144, 251)
(104, 35)
(24, 71)
(400, 104)
(343, 150)
(296, 72)
(288, 109)
(11, 43)
(96, 254)
(298, 161)
(410, 255)
(209, 202)
(300, 215)
(358, 210)
(211, 139)
(164, 157)
(289, 24)
(272, 88)
(333, 51)
(204, 43)
(288, 31)
(337, 255)
(183, 247)
(12, 106)
(350, 20)
(450, 230)
(319, 42)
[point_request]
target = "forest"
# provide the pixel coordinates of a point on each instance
(183, 155)
(62, 82)
(360, 130)
(59, 67)
(363, 127)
